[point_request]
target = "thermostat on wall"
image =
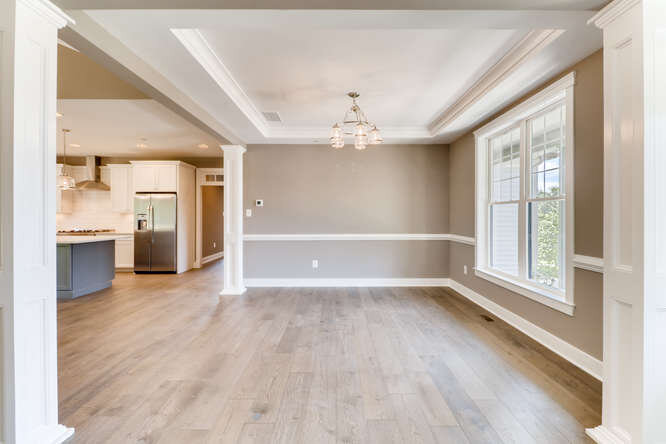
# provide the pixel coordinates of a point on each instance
(259, 202)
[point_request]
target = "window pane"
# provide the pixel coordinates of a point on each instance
(505, 190)
(506, 170)
(515, 166)
(537, 159)
(504, 238)
(538, 186)
(552, 179)
(546, 243)
(553, 124)
(552, 156)
(537, 131)
(515, 188)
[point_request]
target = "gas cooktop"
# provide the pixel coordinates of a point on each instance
(84, 231)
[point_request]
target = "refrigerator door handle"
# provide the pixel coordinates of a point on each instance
(152, 224)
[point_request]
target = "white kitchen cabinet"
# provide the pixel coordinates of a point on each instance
(125, 254)
(63, 198)
(155, 176)
(122, 191)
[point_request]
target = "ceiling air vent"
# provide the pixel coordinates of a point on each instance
(271, 116)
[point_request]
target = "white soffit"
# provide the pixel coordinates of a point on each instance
(424, 76)
(115, 127)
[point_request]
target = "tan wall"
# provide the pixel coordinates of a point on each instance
(584, 330)
(315, 189)
(81, 78)
(212, 230)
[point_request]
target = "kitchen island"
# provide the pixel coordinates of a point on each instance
(85, 264)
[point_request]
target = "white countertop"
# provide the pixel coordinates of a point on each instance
(69, 240)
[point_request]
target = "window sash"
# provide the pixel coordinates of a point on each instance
(525, 244)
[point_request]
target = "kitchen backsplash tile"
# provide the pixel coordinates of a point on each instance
(92, 209)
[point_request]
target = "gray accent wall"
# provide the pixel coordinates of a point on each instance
(314, 189)
(584, 329)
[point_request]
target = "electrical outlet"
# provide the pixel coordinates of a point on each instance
(214, 244)
(248, 213)
(465, 269)
(315, 263)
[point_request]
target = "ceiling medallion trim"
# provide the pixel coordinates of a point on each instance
(197, 45)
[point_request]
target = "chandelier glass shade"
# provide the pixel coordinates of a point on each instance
(355, 124)
(64, 181)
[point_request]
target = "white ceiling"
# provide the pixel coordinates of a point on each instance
(115, 127)
(411, 67)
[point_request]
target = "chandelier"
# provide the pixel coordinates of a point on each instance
(355, 124)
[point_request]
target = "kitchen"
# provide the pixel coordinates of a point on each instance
(127, 182)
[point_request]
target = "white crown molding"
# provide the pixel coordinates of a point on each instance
(233, 148)
(529, 46)
(198, 46)
(359, 237)
(589, 263)
(544, 98)
(200, 49)
(347, 282)
(576, 356)
(49, 11)
(612, 11)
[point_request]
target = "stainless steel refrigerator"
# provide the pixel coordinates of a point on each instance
(155, 232)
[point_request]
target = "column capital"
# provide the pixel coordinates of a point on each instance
(49, 11)
(233, 148)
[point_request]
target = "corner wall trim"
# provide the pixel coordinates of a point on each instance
(347, 282)
(212, 257)
(359, 236)
(576, 356)
(589, 263)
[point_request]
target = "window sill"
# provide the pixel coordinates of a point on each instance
(532, 292)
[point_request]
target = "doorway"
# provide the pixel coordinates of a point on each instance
(210, 215)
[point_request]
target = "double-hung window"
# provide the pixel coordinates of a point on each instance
(524, 174)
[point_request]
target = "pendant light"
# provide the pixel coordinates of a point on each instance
(65, 181)
(355, 124)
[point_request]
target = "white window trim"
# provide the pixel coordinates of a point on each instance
(562, 89)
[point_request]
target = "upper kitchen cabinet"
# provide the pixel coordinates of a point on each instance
(156, 175)
(120, 179)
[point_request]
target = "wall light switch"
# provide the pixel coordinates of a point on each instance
(259, 202)
(315, 263)
(214, 244)
(248, 213)
(465, 269)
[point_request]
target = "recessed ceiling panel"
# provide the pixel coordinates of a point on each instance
(405, 76)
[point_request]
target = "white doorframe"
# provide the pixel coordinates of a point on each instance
(28, 76)
(233, 220)
(202, 182)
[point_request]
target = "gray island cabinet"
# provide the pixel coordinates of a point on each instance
(85, 264)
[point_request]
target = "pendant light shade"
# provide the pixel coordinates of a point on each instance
(356, 125)
(64, 181)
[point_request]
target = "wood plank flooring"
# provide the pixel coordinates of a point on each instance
(165, 359)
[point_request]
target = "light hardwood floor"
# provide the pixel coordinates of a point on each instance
(165, 359)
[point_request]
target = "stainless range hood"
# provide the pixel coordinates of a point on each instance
(94, 181)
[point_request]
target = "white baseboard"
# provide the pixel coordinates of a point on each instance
(576, 356)
(348, 282)
(602, 435)
(212, 257)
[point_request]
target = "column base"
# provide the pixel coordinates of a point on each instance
(56, 434)
(603, 435)
(233, 291)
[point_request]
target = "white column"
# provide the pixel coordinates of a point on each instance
(634, 376)
(28, 46)
(233, 220)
